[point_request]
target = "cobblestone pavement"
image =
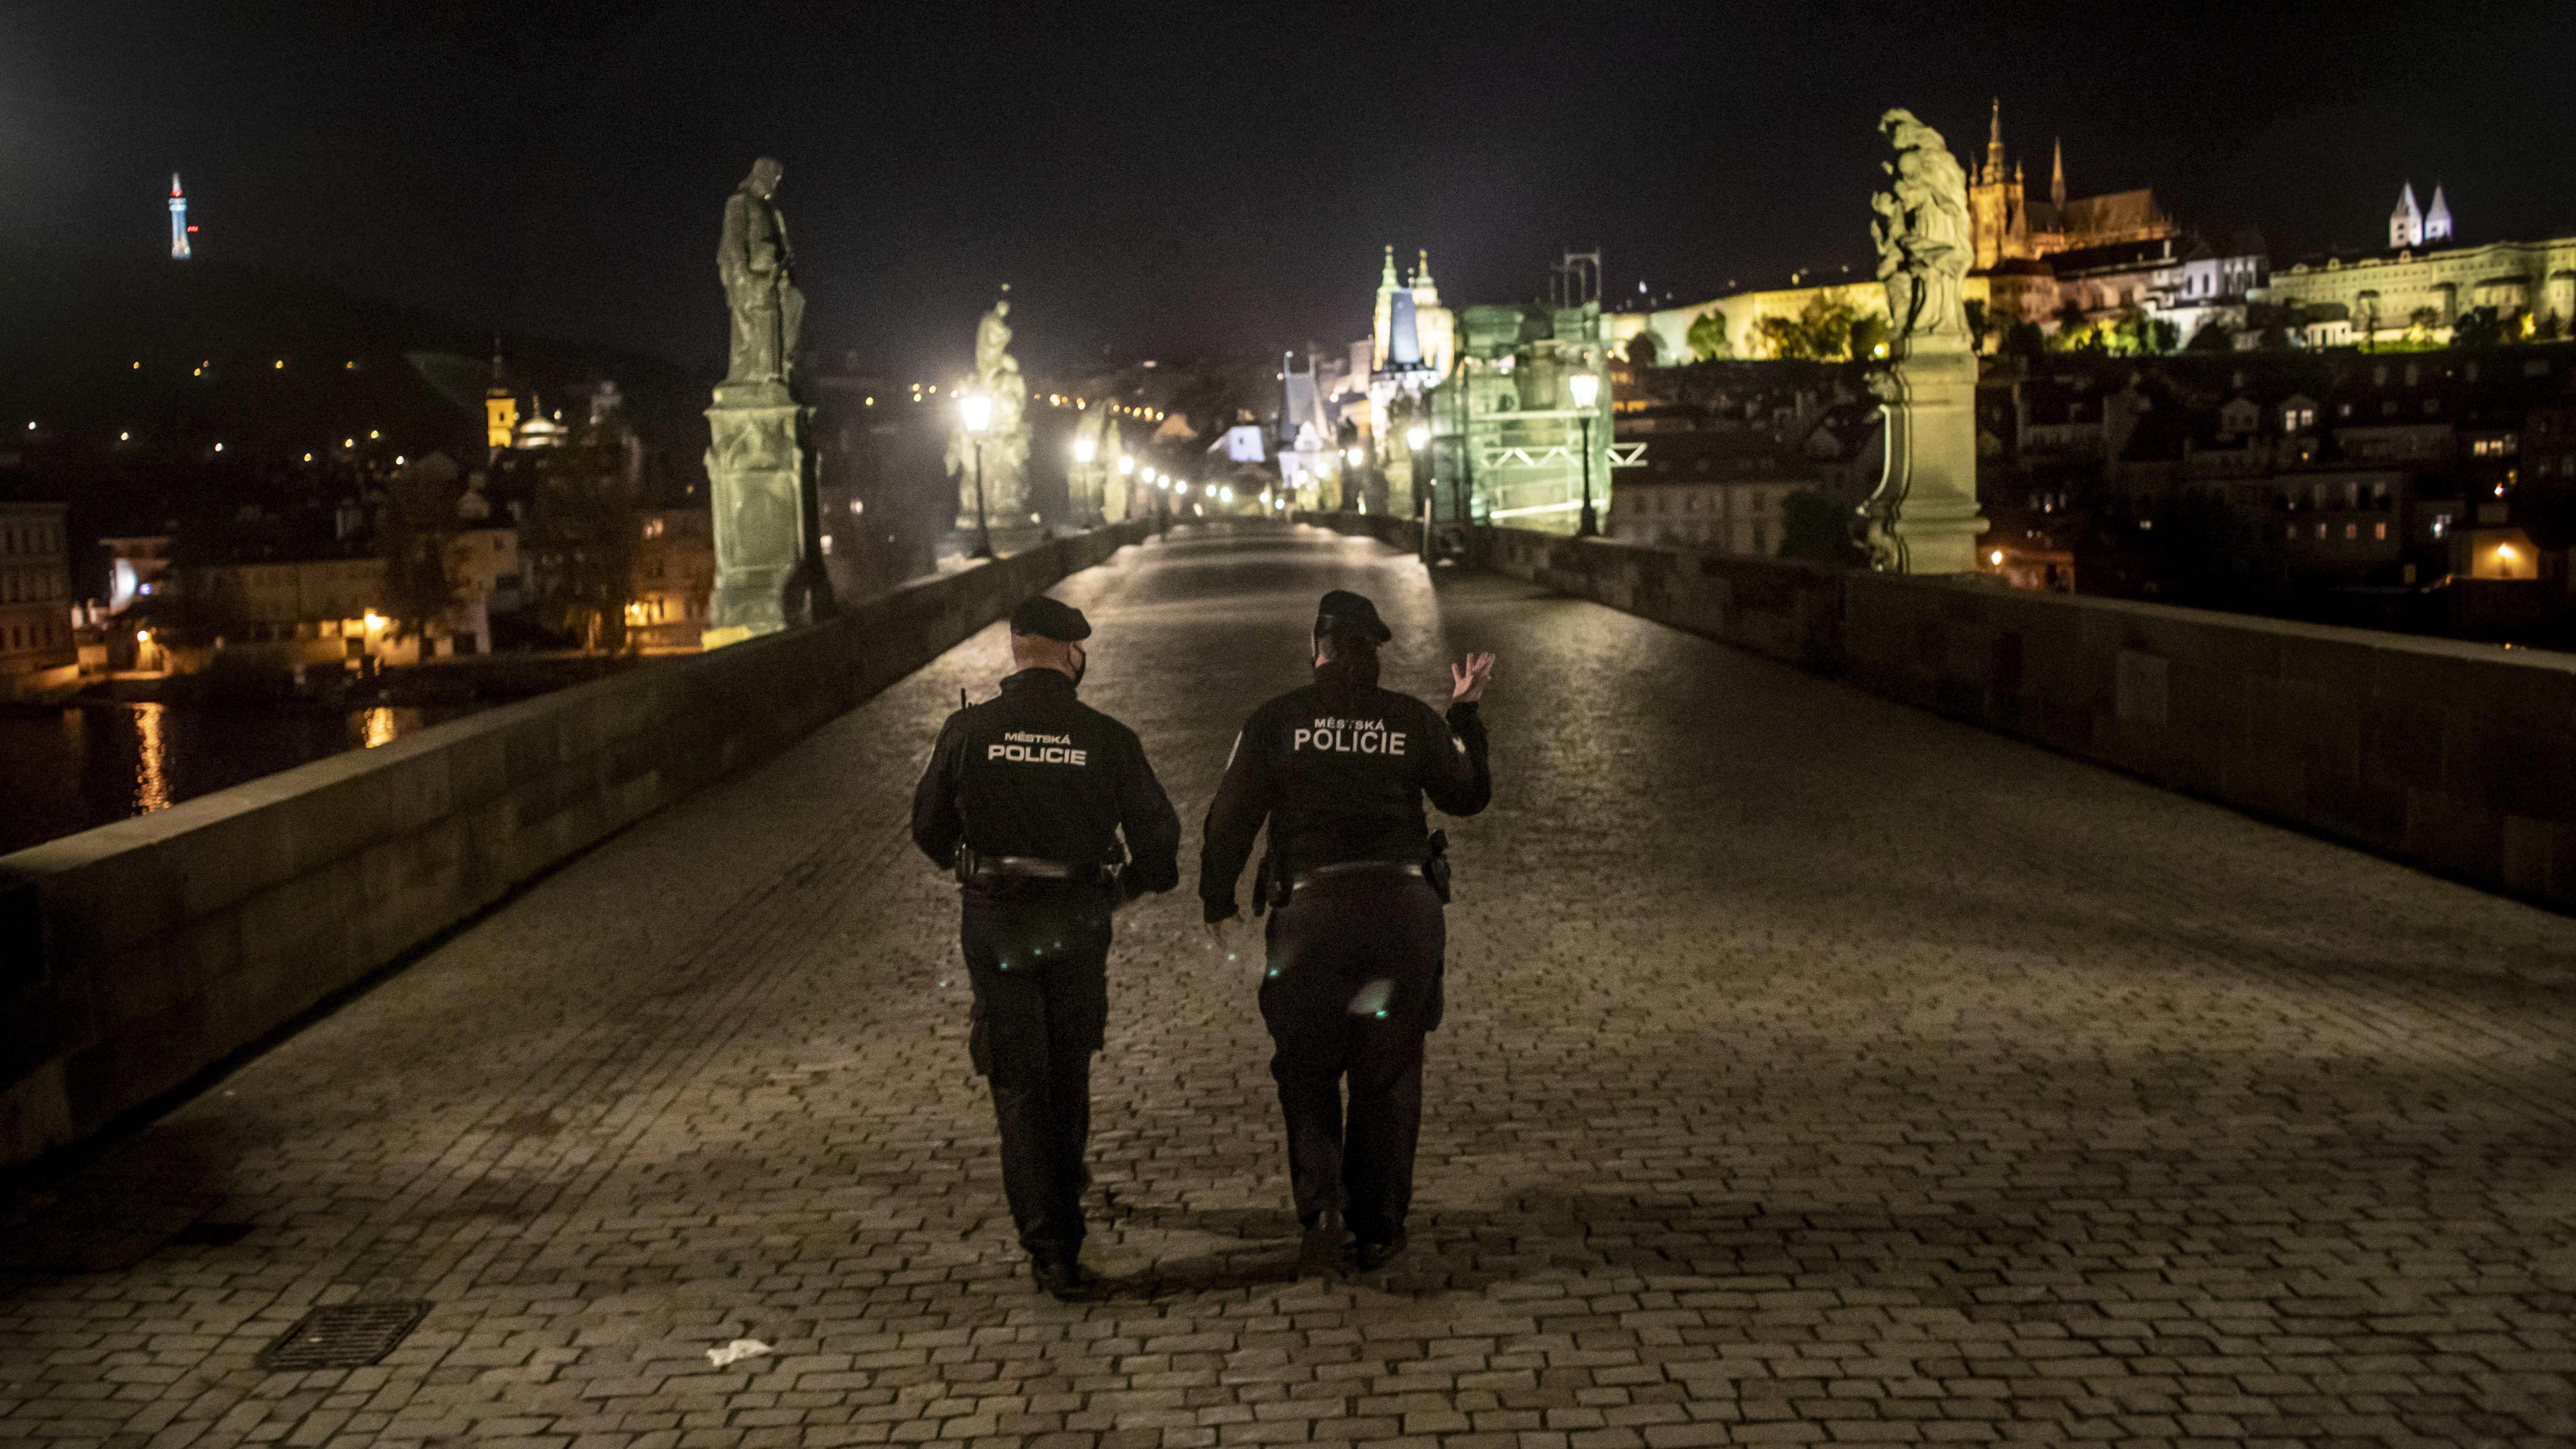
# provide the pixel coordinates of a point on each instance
(1816, 1071)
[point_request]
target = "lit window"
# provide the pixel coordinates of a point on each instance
(2351, 531)
(2379, 530)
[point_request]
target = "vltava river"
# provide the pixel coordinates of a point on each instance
(71, 769)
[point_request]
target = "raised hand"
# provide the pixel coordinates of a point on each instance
(1467, 681)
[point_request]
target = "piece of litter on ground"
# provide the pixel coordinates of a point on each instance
(740, 1348)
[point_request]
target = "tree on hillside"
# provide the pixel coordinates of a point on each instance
(2481, 327)
(420, 516)
(1821, 332)
(2023, 340)
(2074, 329)
(1707, 336)
(1643, 349)
(583, 531)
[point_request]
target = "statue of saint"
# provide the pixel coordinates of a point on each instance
(759, 281)
(1924, 245)
(997, 461)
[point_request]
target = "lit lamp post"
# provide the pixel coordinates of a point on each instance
(977, 411)
(1086, 448)
(1586, 386)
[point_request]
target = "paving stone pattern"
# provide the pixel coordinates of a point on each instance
(1816, 1071)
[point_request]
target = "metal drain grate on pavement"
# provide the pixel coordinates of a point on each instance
(351, 1335)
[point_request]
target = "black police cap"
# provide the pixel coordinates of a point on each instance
(1343, 604)
(1046, 617)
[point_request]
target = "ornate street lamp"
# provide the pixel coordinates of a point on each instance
(977, 411)
(1586, 386)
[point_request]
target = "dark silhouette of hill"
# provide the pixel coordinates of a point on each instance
(161, 389)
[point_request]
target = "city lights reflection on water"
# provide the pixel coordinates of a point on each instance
(151, 760)
(69, 770)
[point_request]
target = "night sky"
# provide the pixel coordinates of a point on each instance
(1214, 178)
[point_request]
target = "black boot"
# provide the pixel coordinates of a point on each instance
(1373, 1256)
(1061, 1274)
(1320, 1255)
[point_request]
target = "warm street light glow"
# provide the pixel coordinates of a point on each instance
(1584, 387)
(1354, 456)
(1085, 449)
(1126, 467)
(2504, 553)
(375, 621)
(1416, 436)
(976, 409)
(1996, 558)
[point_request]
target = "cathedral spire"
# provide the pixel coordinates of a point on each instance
(2057, 174)
(2437, 217)
(1422, 271)
(1995, 144)
(1386, 279)
(2406, 223)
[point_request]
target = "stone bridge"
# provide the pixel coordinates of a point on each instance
(1818, 1069)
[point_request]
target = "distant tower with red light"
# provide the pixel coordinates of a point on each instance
(179, 227)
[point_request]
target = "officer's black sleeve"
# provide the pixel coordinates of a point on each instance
(936, 824)
(1152, 827)
(1242, 803)
(1454, 772)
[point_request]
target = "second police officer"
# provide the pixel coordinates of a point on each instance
(1026, 797)
(1355, 884)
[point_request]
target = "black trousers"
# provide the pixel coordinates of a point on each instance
(1351, 988)
(1038, 955)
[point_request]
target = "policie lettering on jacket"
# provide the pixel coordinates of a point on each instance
(1339, 770)
(1022, 748)
(1348, 737)
(1038, 773)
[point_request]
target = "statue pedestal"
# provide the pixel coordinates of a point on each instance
(756, 462)
(1923, 518)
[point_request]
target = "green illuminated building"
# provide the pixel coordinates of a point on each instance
(1507, 441)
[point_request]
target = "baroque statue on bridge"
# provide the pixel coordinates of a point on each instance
(758, 271)
(760, 466)
(1923, 518)
(1924, 244)
(1004, 443)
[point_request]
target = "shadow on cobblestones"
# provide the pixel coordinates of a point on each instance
(1815, 1070)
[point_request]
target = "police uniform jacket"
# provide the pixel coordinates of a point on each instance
(1339, 769)
(1036, 772)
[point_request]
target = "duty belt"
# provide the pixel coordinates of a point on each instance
(1030, 867)
(973, 866)
(1340, 870)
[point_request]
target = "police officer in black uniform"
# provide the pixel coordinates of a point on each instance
(1025, 798)
(1352, 980)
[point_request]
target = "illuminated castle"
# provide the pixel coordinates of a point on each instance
(179, 227)
(2008, 228)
